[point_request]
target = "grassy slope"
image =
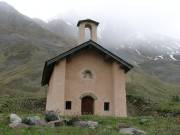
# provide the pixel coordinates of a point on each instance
(150, 87)
(151, 90)
(168, 71)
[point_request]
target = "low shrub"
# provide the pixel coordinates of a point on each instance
(51, 116)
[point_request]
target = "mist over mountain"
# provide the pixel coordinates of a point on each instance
(122, 37)
(26, 43)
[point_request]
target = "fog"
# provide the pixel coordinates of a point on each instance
(120, 17)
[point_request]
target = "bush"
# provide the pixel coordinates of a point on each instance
(51, 116)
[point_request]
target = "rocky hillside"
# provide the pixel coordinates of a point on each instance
(26, 43)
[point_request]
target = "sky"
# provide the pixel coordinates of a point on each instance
(141, 15)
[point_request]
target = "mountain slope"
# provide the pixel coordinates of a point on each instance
(24, 46)
(14, 25)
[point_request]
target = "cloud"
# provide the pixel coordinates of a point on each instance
(161, 16)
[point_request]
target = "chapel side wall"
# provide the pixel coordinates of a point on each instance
(119, 92)
(100, 85)
(56, 90)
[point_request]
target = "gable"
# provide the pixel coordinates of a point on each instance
(49, 64)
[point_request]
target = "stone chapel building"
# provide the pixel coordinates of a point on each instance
(87, 79)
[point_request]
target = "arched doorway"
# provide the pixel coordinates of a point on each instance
(87, 105)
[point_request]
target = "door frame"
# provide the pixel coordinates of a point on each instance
(91, 101)
(90, 94)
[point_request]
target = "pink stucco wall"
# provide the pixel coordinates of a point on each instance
(107, 84)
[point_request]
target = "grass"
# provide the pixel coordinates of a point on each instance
(107, 126)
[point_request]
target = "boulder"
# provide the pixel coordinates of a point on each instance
(138, 132)
(33, 120)
(80, 123)
(92, 124)
(123, 125)
(132, 131)
(18, 125)
(70, 122)
(56, 123)
(15, 118)
(89, 124)
(41, 123)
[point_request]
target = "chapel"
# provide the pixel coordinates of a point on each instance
(87, 79)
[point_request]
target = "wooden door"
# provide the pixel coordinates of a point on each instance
(87, 105)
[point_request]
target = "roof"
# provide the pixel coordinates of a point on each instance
(49, 64)
(87, 20)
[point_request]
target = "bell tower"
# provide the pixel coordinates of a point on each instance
(91, 25)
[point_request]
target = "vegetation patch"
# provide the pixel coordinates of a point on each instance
(22, 104)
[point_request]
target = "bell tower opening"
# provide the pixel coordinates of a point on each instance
(89, 27)
(87, 34)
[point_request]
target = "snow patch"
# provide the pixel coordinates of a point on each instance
(172, 57)
(158, 57)
(161, 57)
(138, 52)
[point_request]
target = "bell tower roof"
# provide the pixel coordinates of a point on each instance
(87, 20)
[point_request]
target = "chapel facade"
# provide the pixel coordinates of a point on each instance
(87, 79)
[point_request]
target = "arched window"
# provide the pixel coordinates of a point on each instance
(87, 74)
